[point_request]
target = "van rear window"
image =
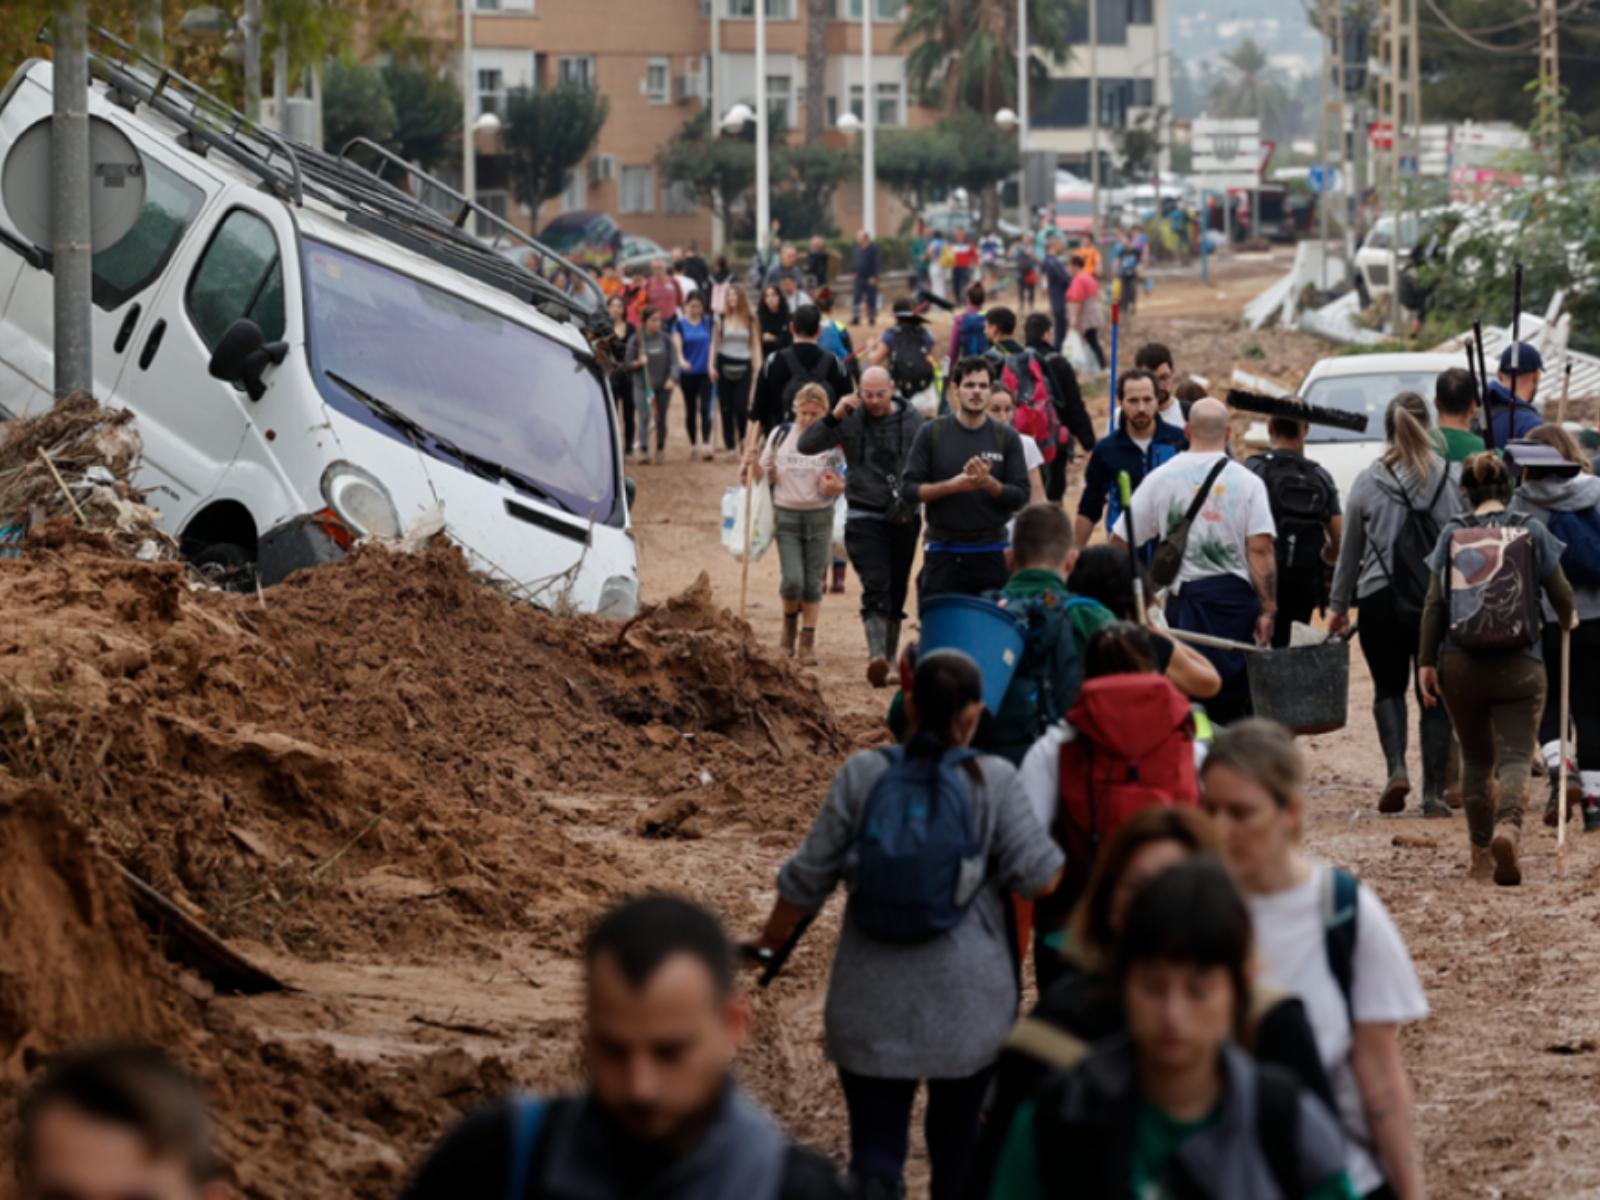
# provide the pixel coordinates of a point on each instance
(124, 270)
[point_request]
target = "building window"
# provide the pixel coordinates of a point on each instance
(491, 90)
(888, 108)
(780, 95)
(576, 194)
(577, 70)
(779, 10)
(833, 111)
(1113, 18)
(882, 10)
(1144, 93)
(678, 200)
(658, 81)
(508, 6)
(638, 189)
(1141, 12)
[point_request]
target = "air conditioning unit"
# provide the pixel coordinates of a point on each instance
(690, 87)
(602, 168)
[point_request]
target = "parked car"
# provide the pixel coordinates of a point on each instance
(1074, 212)
(585, 236)
(1364, 383)
(639, 252)
(313, 358)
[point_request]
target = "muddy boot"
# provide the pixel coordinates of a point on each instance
(891, 643)
(1507, 871)
(808, 647)
(1436, 739)
(1482, 866)
(877, 650)
(838, 579)
(791, 630)
(1390, 717)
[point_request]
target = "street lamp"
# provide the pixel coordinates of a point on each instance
(734, 121)
(1007, 121)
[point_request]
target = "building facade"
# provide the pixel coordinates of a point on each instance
(654, 61)
(1133, 62)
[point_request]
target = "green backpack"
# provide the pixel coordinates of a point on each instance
(1048, 677)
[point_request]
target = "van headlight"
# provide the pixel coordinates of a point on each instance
(619, 598)
(360, 501)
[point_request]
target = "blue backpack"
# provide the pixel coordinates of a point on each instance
(919, 862)
(972, 340)
(831, 339)
(1580, 531)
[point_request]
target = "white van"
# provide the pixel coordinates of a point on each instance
(313, 355)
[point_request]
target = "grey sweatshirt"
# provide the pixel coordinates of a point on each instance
(940, 452)
(938, 1009)
(662, 362)
(1373, 515)
(1541, 497)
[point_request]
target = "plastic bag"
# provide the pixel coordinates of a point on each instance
(1077, 353)
(839, 507)
(926, 402)
(762, 519)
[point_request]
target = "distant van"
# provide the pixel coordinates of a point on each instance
(314, 356)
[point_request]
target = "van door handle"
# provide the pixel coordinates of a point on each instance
(125, 333)
(152, 344)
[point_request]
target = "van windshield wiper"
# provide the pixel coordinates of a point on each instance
(425, 439)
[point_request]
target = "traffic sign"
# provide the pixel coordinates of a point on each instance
(1381, 134)
(116, 183)
(1323, 179)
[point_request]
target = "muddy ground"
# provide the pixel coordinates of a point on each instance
(406, 802)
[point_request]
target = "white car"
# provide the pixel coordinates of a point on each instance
(314, 357)
(1364, 383)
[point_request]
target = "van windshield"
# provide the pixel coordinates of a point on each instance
(1368, 395)
(478, 384)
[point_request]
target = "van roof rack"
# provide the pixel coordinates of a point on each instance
(293, 170)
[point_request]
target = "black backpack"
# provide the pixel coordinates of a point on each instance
(1302, 496)
(908, 362)
(1407, 571)
(800, 375)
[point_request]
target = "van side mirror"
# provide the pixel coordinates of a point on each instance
(243, 355)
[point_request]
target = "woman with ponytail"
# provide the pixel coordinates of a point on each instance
(1393, 516)
(925, 982)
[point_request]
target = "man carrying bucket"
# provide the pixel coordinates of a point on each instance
(1227, 586)
(970, 472)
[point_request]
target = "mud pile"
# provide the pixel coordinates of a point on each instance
(374, 754)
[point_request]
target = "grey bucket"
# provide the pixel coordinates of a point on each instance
(1306, 688)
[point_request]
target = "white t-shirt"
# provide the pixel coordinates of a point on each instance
(1172, 414)
(1032, 456)
(1237, 509)
(1384, 990)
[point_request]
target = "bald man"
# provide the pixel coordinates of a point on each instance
(875, 429)
(1228, 584)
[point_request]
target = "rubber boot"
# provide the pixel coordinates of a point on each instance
(838, 579)
(892, 642)
(1507, 870)
(877, 649)
(1390, 717)
(1436, 738)
(808, 647)
(791, 630)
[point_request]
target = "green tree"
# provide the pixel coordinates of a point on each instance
(805, 179)
(427, 109)
(917, 165)
(963, 53)
(983, 159)
(548, 133)
(355, 103)
(719, 171)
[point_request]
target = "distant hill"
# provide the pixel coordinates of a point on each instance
(1203, 29)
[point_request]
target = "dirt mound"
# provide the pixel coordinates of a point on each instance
(376, 753)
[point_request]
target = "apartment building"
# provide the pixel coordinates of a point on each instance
(653, 61)
(1133, 60)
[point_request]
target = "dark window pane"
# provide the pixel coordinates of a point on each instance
(125, 269)
(235, 278)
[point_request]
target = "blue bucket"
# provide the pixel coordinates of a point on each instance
(982, 630)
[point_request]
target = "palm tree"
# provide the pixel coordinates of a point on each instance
(1248, 86)
(964, 52)
(817, 14)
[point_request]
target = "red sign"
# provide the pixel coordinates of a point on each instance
(1381, 134)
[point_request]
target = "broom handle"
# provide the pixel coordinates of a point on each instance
(1561, 792)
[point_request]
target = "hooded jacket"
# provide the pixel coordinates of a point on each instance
(1118, 452)
(875, 452)
(1082, 1125)
(1373, 515)
(1538, 498)
(1505, 409)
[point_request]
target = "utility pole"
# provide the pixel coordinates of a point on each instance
(763, 184)
(1549, 133)
(714, 88)
(151, 36)
(1023, 62)
(70, 232)
(1399, 100)
(469, 115)
(1094, 117)
(252, 59)
(1332, 85)
(869, 125)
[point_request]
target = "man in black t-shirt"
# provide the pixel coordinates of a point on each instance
(663, 1116)
(1305, 508)
(789, 369)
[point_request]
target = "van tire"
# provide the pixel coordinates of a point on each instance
(227, 565)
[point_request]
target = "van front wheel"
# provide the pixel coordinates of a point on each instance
(227, 565)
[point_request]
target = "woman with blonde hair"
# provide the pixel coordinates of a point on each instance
(1392, 519)
(1324, 937)
(735, 359)
(804, 488)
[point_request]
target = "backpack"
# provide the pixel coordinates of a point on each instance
(908, 361)
(1036, 415)
(1133, 749)
(800, 375)
(1580, 532)
(831, 339)
(972, 341)
(1492, 585)
(1407, 572)
(919, 861)
(1301, 496)
(1048, 675)
(1128, 264)
(1340, 923)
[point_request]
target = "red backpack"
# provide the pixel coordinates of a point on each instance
(1134, 749)
(1036, 417)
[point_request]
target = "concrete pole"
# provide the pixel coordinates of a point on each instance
(1022, 116)
(252, 59)
(280, 78)
(469, 105)
(1094, 117)
(763, 184)
(69, 179)
(869, 126)
(1325, 148)
(714, 87)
